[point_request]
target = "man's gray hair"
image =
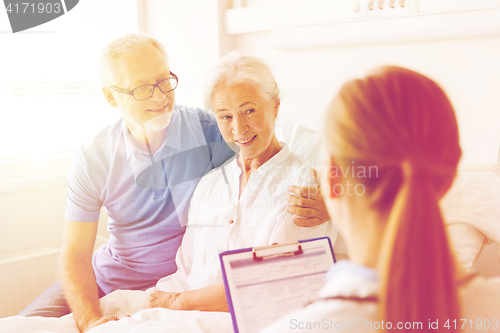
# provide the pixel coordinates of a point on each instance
(234, 69)
(128, 42)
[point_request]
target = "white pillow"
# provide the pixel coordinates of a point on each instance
(302, 141)
(471, 210)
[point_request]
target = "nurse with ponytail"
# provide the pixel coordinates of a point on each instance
(401, 274)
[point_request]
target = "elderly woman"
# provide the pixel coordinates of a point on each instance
(241, 204)
(402, 273)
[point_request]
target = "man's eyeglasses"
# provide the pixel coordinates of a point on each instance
(147, 90)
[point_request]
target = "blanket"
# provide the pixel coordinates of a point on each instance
(123, 303)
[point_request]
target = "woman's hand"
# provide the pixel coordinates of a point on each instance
(211, 298)
(162, 299)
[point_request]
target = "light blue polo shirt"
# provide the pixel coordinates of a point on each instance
(146, 197)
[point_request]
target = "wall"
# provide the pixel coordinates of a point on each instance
(32, 199)
(466, 68)
(32, 218)
(192, 34)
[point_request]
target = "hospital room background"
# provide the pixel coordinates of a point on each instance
(51, 101)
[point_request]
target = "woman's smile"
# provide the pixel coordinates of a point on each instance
(246, 141)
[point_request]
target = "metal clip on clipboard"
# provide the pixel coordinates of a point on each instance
(256, 257)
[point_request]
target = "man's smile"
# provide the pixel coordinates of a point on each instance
(158, 109)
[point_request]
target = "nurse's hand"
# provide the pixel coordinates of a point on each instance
(162, 299)
(308, 204)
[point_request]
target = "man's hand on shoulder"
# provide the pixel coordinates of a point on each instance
(308, 204)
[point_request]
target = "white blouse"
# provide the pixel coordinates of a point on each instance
(220, 221)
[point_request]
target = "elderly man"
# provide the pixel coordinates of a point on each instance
(143, 170)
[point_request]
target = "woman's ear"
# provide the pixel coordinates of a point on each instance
(109, 97)
(277, 107)
(334, 179)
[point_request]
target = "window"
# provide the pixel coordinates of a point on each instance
(50, 97)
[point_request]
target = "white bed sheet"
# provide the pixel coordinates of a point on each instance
(124, 303)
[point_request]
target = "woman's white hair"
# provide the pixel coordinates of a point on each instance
(234, 69)
(128, 42)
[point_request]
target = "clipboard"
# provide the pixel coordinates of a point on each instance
(264, 283)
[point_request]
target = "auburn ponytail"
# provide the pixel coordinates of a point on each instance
(419, 285)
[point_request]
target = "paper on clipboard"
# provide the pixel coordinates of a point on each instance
(263, 284)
